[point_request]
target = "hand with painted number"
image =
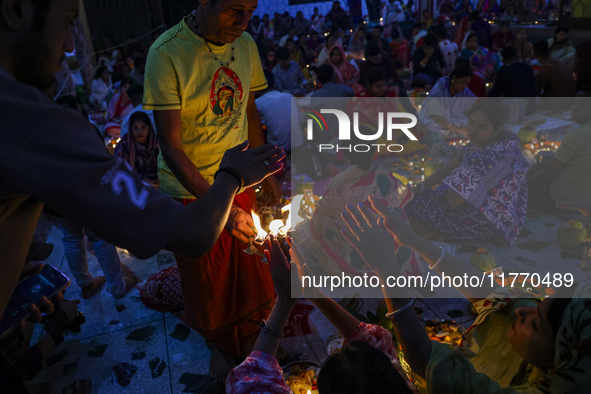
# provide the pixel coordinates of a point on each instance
(369, 237)
(255, 164)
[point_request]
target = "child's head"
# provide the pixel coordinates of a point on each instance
(377, 82)
(360, 368)
(140, 127)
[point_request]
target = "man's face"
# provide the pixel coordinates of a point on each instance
(228, 18)
(39, 52)
(284, 63)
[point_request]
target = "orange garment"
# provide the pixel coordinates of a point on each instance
(227, 292)
(400, 51)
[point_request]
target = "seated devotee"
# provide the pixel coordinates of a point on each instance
(139, 68)
(427, 18)
(273, 107)
(288, 75)
(418, 31)
(325, 51)
(376, 85)
(567, 175)
(516, 345)
(357, 42)
(481, 60)
(448, 49)
(555, 79)
(136, 95)
(477, 84)
(454, 85)
(120, 104)
(399, 48)
(525, 49)
(367, 363)
(515, 78)
(428, 63)
(291, 33)
(295, 53)
(502, 38)
(101, 85)
(561, 48)
(270, 60)
(314, 44)
(377, 60)
(481, 28)
(346, 73)
(301, 24)
(464, 207)
(376, 39)
(340, 19)
(316, 16)
(330, 87)
(139, 147)
(308, 56)
(256, 28)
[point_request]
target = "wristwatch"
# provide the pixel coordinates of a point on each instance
(265, 329)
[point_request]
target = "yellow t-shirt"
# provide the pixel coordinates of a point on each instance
(573, 183)
(181, 73)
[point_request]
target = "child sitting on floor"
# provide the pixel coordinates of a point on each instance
(139, 147)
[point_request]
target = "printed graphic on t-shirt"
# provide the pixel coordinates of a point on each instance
(225, 99)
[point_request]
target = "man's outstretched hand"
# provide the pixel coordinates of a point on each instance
(255, 164)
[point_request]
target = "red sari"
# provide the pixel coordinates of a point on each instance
(346, 73)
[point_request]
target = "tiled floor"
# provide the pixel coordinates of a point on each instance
(124, 347)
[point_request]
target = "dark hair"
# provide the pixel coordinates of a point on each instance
(461, 62)
(560, 29)
(289, 40)
(470, 36)
(541, 48)
(376, 74)
(139, 61)
(379, 27)
(140, 115)
(329, 36)
(419, 25)
(67, 101)
(127, 81)
(270, 78)
(555, 312)
(373, 50)
(315, 8)
(431, 29)
(505, 24)
(99, 71)
(430, 40)
(282, 53)
(395, 34)
(461, 72)
(135, 91)
(492, 111)
(475, 15)
(325, 73)
(441, 31)
(41, 11)
(360, 368)
(509, 53)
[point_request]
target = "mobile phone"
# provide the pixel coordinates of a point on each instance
(48, 282)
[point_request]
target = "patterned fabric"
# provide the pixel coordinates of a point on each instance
(346, 73)
(261, 373)
(450, 53)
(290, 80)
(144, 158)
(492, 181)
(162, 291)
(482, 58)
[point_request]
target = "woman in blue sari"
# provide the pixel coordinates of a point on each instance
(482, 192)
(481, 59)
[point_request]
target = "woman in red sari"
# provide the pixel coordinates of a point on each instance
(120, 104)
(345, 72)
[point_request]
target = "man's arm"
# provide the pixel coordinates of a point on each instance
(548, 172)
(168, 124)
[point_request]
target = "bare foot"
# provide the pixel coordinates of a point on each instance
(220, 366)
(130, 282)
(89, 290)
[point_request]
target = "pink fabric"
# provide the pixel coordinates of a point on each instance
(116, 110)
(261, 373)
(346, 73)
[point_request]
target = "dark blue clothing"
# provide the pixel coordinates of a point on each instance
(514, 80)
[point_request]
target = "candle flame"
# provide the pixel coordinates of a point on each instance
(275, 226)
(261, 234)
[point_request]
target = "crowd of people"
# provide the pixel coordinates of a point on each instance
(200, 116)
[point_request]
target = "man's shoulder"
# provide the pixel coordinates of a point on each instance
(246, 40)
(167, 38)
(27, 101)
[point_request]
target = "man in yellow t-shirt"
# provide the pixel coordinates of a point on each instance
(200, 80)
(567, 175)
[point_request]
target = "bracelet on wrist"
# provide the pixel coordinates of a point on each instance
(234, 173)
(440, 259)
